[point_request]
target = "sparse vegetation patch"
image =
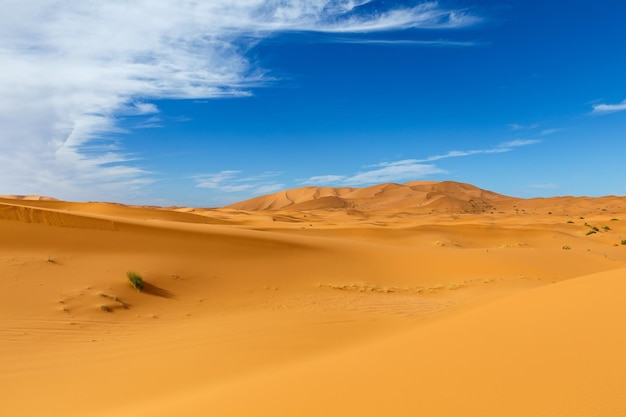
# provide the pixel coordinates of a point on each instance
(135, 280)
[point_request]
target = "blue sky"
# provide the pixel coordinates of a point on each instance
(208, 103)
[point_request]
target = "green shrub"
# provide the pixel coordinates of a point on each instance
(570, 222)
(624, 242)
(135, 280)
(591, 232)
(566, 247)
(606, 228)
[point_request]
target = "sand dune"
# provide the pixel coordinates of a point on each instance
(457, 197)
(28, 197)
(316, 301)
(553, 351)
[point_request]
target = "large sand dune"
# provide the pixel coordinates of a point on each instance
(434, 299)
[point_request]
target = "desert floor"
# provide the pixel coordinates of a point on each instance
(322, 312)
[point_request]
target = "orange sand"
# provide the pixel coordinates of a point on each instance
(430, 299)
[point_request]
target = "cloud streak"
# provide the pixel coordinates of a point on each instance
(232, 181)
(608, 108)
(70, 69)
(410, 169)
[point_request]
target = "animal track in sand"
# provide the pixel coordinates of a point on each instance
(79, 301)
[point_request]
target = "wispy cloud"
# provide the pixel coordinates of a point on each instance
(608, 108)
(501, 148)
(517, 126)
(509, 146)
(70, 69)
(547, 132)
(410, 169)
(384, 172)
(149, 123)
(231, 181)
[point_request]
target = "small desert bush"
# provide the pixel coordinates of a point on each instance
(624, 242)
(565, 247)
(591, 232)
(135, 280)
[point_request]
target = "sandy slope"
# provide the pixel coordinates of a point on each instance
(374, 309)
(554, 351)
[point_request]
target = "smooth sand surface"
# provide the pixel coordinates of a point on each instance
(433, 299)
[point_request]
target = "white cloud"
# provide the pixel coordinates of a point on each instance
(501, 148)
(546, 132)
(517, 126)
(231, 181)
(456, 154)
(394, 171)
(325, 179)
(69, 68)
(149, 123)
(144, 108)
(385, 172)
(410, 169)
(608, 108)
(269, 188)
(215, 181)
(517, 143)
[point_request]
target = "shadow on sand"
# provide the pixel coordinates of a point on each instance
(152, 289)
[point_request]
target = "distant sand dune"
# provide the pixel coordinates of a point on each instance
(28, 197)
(53, 218)
(379, 197)
(427, 197)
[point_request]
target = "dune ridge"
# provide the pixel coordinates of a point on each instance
(53, 218)
(316, 301)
